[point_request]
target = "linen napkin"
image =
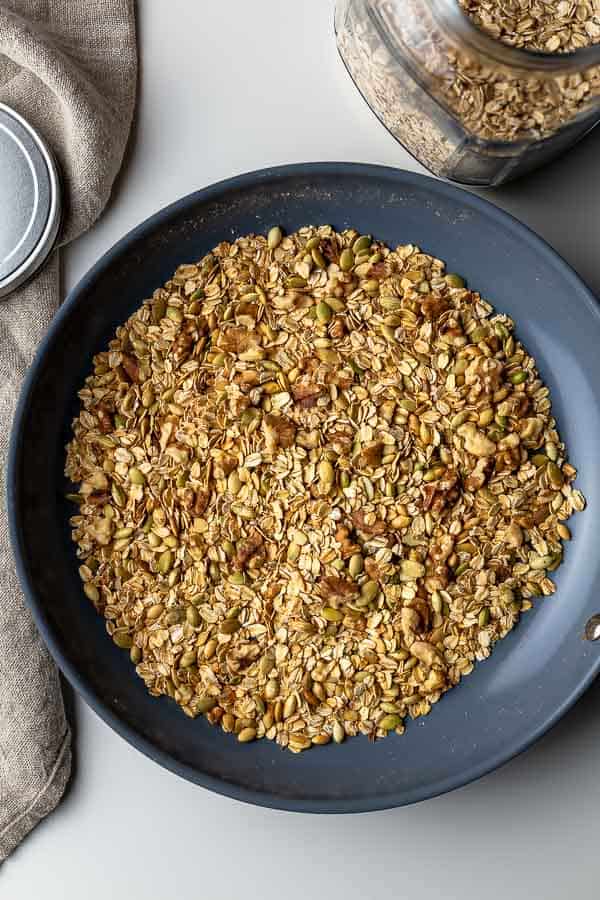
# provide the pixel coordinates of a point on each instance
(70, 68)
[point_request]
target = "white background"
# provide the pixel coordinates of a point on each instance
(227, 87)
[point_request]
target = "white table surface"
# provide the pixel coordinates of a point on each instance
(228, 87)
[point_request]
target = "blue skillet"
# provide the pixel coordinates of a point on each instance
(534, 675)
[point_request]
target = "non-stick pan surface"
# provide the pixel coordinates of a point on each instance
(533, 676)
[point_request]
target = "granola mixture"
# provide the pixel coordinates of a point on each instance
(458, 90)
(318, 479)
(551, 26)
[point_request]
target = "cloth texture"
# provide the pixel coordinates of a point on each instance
(69, 67)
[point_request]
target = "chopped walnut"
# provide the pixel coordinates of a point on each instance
(336, 589)
(247, 549)
(367, 523)
(306, 394)
(130, 367)
(279, 431)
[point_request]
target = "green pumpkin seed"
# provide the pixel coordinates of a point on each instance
(555, 476)
(205, 704)
(154, 611)
(326, 472)
(434, 474)
(339, 732)
(228, 549)
(175, 314)
(165, 561)
(289, 707)
(312, 243)
(234, 485)
(346, 260)
(478, 334)
(192, 616)
(230, 626)
(454, 281)
(389, 722)
(369, 591)
(318, 258)
(332, 615)
(484, 617)
(517, 377)
(371, 286)
(91, 592)
(136, 476)
(135, 655)
(237, 578)
(188, 659)
(324, 313)
(356, 565)
(295, 281)
(271, 688)
(274, 237)
(390, 303)
(118, 494)
(246, 735)
(198, 294)
(123, 640)
(362, 243)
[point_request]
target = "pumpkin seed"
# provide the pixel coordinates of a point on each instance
(346, 260)
(339, 732)
(332, 615)
(136, 476)
(274, 237)
(356, 565)
(389, 722)
(165, 561)
(361, 243)
(318, 258)
(517, 377)
(91, 592)
(324, 312)
(123, 640)
(454, 281)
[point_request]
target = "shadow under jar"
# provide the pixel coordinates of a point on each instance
(469, 107)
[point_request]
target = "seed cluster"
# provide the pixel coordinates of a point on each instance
(317, 480)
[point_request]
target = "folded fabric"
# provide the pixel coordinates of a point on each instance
(70, 69)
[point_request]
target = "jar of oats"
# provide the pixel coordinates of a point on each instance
(478, 91)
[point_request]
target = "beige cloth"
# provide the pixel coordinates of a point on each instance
(69, 67)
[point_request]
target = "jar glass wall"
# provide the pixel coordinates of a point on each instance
(467, 106)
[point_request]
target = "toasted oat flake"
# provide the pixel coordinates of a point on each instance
(312, 495)
(551, 26)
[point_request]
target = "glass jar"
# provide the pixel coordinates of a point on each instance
(467, 106)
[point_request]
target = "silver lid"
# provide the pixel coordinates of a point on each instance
(29, 200)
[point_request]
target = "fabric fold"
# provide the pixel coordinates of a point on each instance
(70, 69)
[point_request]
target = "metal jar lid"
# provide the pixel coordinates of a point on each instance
(29, 200)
